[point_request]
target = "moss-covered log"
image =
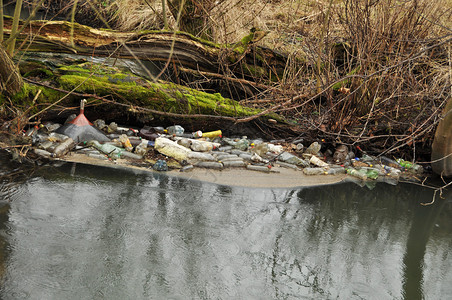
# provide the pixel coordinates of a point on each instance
(116, 94)
(174, 52)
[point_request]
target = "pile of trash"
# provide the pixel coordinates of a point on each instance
(167, 148)
(212, 150)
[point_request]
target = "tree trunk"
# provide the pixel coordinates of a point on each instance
(184, 58)
(10, 79)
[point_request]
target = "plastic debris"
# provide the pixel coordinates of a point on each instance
(160, 165)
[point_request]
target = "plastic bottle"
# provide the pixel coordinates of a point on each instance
(391, 172)
(171, 148)
(212, 134)
(336, 170)
(372, 173)
(197, 134)
(112, 127)
(227, 159)
(275, 148)
(299, 147)
(64, 147)
(389, 162)
(357, 174)
(176, 130)
(225, 156)
(247, 156)
(314, 171)
(225, 148)
(242, 144)
(200, 156)
(142, 148)
(313, 149)
(209, 165)
(57, 137)
(97, 155)
(100, 124)
(287, 165)
(292, 159)
(186, 168)
(201, 146)
(233, 164)
(160, 165)
(257, 158)
(318, 162)
(238, 152)
(52, 126)
(43, 153)
(410, 166)
(48, 145)
(265, 169)
(109, 149)
(260, 149)
(125, 142)
(184, 142)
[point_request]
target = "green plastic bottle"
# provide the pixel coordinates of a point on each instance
(111, 150)
(372, 174)
(404, 163)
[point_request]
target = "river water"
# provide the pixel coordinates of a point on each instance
(83, 232)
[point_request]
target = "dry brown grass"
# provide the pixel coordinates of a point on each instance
(392, 59)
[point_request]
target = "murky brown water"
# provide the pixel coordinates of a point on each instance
(94, 233)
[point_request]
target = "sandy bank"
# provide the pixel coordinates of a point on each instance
(287, 178)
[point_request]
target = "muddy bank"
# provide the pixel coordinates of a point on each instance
(281, 178)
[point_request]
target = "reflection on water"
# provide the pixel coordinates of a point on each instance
(93, 233)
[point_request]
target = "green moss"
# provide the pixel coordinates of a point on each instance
(345, 82)
(40, 72)
(158, 96)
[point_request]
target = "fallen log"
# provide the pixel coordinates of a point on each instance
(178, 55)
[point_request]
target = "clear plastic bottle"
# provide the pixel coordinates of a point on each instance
(313, 149)
(292, 159)
(242, 144)
(287, 165)
(171, 148)
(314, 171)
(201, 146)
(318, 162)
(112, 127)
(197, 156)
(209, 165)
(275, 148)
(43, 153)
(176, 130)
(336, 171)
(100, 124)
(260, 149)
(64, 147)
(57, 137)
(233, 164)
(142, 148)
